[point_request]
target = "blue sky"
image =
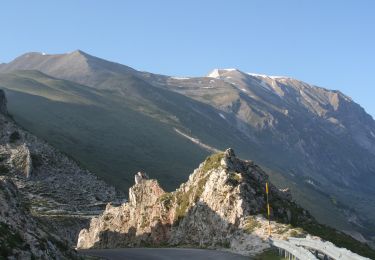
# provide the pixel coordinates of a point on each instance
(326, 43)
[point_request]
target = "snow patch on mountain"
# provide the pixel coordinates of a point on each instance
(265, 85)
(197, 141)
(180, 78)
(222, 116)
(266, 76)
(216, 73)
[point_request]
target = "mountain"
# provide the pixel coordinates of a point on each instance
(45, 197)
(116, 120)
(222, 205)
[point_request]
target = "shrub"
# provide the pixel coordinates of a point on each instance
(212, 162)
(234, 178)
(3, 169)
(251, 224)
(14, 137)
(36, 160)
(166, 199)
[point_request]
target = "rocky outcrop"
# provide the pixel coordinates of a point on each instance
(140, 176)
(21, 160)
(3, 103)
(222, 205)
(21, 237)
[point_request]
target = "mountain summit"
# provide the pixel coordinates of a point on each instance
(76, 66)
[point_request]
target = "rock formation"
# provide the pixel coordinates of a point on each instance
(140, 176)
(20, 159)
(220, 206)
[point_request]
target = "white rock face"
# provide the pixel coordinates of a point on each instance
(219, 206)
(132, 224)
(140, 176)
(21, 160)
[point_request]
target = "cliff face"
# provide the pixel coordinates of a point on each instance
(220, 206)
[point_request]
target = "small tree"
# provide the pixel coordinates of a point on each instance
(14, 137)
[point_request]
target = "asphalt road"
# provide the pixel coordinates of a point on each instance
(161, 254)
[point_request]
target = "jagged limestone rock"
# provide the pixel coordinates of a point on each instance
(140, 221)
(140, 176)
(220, 206)
(21, 160)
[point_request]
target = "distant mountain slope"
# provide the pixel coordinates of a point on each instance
(318, 141)
(299, 118)
(316, 137)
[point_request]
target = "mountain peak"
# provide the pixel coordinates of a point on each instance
(217, 73)
(79, 52)
(77, 66)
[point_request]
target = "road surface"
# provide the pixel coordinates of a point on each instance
(161, 254)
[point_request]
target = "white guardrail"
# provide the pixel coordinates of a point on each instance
(326, 248)
(299, 252)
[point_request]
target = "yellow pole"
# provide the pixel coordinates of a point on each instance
(268, 212)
